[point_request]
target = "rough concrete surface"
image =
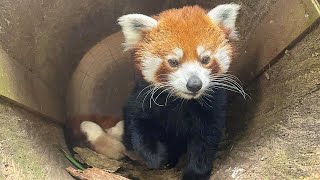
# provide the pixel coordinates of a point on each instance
(275, 135)
(29, 146)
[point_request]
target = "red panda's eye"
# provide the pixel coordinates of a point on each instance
(205, 59)
(173, 62)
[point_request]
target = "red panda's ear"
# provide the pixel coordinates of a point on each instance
(226, 15)
(133, 25)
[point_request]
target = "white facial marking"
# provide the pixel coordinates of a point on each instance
(223, 59)
(150, 64)
(179, 79)
(226, 15)
(200, 50)
(178, 52)
(92, 130)
(172, 57)
(132, 26)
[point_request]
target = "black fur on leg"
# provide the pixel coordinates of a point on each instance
(201, 153)
(146, 141)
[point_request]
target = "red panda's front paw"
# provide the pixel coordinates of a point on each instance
(157, 159)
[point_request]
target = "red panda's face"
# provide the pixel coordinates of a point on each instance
(182, 49)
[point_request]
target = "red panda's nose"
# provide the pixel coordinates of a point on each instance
(194, 84)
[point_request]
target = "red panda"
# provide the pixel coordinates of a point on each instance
(177, 106)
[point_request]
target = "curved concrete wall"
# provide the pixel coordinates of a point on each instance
(102, 81)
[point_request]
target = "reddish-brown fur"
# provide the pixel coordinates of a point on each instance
(184, 28)
(214, 66)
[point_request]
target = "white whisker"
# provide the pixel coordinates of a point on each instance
(143, 90)
(154, 91)
(228, 82)
(147, 93)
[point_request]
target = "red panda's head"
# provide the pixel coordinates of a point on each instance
(182, 48)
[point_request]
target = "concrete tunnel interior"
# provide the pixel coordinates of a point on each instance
(62, 59)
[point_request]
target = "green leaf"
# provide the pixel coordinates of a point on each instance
(72, 160)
